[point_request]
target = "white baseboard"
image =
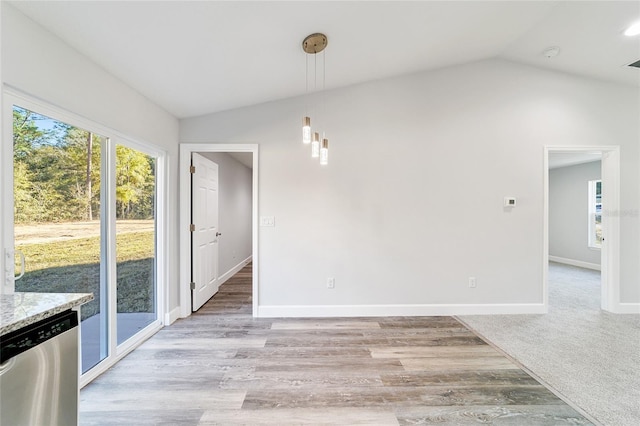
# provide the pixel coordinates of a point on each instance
(231, 272)
(627, 308)
(172, 316)
(310, 311)
(577, 263)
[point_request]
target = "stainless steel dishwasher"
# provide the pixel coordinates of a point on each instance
(39, 373)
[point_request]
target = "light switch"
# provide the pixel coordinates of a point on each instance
(267, 221)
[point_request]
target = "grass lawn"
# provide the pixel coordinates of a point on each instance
(73, 266)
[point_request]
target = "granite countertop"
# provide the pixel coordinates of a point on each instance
(18, 310)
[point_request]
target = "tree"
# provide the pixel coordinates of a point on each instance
(133, 173)
(82, 180)
(53, 175)
(26, 134)
(57, 174)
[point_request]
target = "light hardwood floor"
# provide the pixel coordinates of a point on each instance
(221, 366)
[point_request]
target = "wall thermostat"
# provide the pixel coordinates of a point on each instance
(509, 201)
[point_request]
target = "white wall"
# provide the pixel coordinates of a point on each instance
(569, 212)
(234, 209)
(411, 203)
(3, 237)
(37, 63)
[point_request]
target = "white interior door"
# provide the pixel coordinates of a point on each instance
(204, 242)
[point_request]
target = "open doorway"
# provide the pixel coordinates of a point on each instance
(576, 178)
(237, 207)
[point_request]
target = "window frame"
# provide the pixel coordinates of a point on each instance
(113, 137)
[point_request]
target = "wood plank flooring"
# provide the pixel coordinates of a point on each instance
(222, 367)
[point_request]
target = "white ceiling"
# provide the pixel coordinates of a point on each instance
(194, 58)
(245, 158)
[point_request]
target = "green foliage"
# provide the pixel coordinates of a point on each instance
(135, 181)
(57, 173)
(57, 178)
(26, 134)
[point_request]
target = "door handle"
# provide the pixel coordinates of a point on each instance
(218, 234)
(22, 262)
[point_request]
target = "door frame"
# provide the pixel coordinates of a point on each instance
(610, 251)
(186, 149)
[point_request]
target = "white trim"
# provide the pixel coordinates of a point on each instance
(172, 316)
(231, 272)
(578, 263)
(58, 113)
(6, 168)
(545, 230)
(186, 149)
(3, 150)
(162, 235)
(314, 311)
(109, 259)
(610, 247)
(627, 308)
(610, 251)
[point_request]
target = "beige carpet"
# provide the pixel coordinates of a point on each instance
(590, 357)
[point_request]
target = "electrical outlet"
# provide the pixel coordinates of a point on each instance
(472, 282)
(331, 283)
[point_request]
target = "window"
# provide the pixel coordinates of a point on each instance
(595, 213)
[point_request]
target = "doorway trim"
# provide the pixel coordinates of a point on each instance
(186, 149)
(610, 251)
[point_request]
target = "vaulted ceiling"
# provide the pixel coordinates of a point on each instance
(198, 57)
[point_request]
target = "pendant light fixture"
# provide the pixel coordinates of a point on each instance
(306, 130)
(315, 145)
(324, 152)
(312, 45)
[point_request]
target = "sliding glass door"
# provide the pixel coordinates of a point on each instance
(57, 185)
(85, 207)
(135, 240)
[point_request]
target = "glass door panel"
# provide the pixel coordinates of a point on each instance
(57, 217)
(135, 241)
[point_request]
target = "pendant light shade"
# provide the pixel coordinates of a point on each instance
(306, 130)
(324, 152)
(315, 145)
